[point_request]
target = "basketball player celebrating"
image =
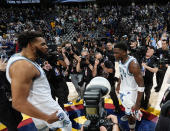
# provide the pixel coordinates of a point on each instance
(31, 93)
(131, 84)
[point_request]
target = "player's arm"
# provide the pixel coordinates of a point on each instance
(135, 70)
(118, 86)
(22, 74)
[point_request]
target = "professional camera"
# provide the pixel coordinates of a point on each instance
(166, 60)
(92, 60)
(53, 57)
(138, 53)
(83, 62)
(101, 61)
(94, 95)
(68, 49)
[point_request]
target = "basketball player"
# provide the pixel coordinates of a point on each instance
(131, 85)
(31, 92)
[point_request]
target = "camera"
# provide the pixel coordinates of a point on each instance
(83, 58)
(94, 95)
(68, 49)
(165, 60)
(138, 53)
(92, 60)
(101, 61)
(52, 58)
(83, 62)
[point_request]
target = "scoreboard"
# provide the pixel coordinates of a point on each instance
(22, 1)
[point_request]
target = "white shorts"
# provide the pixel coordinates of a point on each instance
(128, 99)
(50, 108)
(44, 126)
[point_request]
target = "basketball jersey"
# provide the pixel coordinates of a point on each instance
(128, 82)
(40, 92)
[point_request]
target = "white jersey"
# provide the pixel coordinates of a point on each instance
(40, 94)
(40, 91)
(128, 82)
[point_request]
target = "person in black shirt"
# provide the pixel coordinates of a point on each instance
(112, 79)
(149, 67)
(105, 68)
(109, 52)
(71, 54)
(57, 82)
(85, 68)
(55, 68)
(163, 55)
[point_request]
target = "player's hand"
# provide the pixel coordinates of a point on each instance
(117, 89)
(52, 118)
(135, 107)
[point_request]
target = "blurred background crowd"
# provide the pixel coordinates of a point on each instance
(80, 34)
(81, 38)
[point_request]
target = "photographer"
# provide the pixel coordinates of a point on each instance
(95, 113)
(112, 79)
(85, 67)
(115, 123)
(72, 57)
(100, 69)
(115, 126)
(109, 52)
(164, 57)
(56, 68)
(136, 51)
(57, 82)
(149, 67)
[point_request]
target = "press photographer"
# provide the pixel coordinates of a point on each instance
(97, 117)
(164, 59)
(109, 52)
(84, 66)
(136, 51)
(55, 69)
(72, 55)
(109, 56)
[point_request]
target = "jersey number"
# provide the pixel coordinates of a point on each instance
(123, 74)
